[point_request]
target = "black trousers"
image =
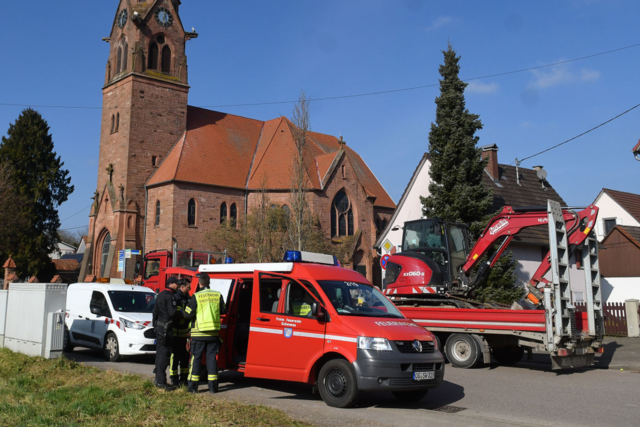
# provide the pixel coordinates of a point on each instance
(179, 358)
(163, 354)
(210, 349)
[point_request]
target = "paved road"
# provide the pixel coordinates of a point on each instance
(527, 395)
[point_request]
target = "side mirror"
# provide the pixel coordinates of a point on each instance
(315, 308)
(96, 311)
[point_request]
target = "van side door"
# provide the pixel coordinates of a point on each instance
(100, 318)
(285, 338)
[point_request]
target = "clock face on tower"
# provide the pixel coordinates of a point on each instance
(163, 16)
(122, 18)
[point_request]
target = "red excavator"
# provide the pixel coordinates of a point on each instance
(433, 278)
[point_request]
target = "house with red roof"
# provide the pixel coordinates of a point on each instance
(168, 170)
(616, 208)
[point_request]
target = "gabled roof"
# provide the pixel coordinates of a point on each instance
(9, 263)
(237, 152)
(416, 172)
(628, 201)
(630, 232)
(66, 264)
(530, 192)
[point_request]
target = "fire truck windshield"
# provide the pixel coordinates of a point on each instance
(357, 299)
(427, 233)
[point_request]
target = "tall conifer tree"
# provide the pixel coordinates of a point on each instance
(456, 189)
(43, 184)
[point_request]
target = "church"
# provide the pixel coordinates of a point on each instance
(168, 170)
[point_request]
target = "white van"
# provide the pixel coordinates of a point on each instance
(110, 317)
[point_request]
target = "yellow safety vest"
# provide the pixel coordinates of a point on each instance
(301, 308)
(207, 321)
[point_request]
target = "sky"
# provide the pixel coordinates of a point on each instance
(266, 52)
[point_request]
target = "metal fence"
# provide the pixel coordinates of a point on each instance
(615, 318)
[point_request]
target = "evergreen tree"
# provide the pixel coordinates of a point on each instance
(39, 179)
(456, 189)
(457, 193)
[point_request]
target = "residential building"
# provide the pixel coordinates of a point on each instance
(619, 259)
(616, 208)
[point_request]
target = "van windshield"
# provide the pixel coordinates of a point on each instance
(357, 299)
(132, 302)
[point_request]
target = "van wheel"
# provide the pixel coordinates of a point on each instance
(508, 356)
(111, 348)
(410, 396)
(337, 384)
(67, 347)
(462, 351)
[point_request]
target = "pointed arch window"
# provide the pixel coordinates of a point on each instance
(191, 212)
(153, 56)
(125, 54)
(342, 222)
(119, 60)
(106, 245)
(166, 59)
(233, 214)
(223, 212)
(157, 213)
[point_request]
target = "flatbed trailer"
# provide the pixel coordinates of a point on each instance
(472, 335)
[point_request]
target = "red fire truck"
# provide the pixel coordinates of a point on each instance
(159, 265)
(309, 320)
(432, 279)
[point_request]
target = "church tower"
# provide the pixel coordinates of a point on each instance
(144, 113)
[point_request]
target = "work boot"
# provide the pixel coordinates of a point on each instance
(192, 387)
(175, 380)
(166, 387)
(213, 386)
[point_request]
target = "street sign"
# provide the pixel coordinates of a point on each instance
(135, 252)
(387, 245)
(383, 261)
(127, 253)
(120, 260)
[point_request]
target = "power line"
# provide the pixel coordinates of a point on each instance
(81, 210)
(578, 136)
(73, 228)
(358, 95)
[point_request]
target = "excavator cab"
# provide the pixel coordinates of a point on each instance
(446, 243)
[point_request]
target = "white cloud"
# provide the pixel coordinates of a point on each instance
(561, 75)
(481, 88)
(440, 22)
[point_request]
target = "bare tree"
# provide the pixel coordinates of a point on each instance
(299, 168)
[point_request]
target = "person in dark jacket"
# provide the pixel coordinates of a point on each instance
(179, 366)
(164, 314)
(204, 309)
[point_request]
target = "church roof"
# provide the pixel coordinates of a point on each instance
(232, 151)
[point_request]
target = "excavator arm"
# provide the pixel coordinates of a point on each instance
(509, 222)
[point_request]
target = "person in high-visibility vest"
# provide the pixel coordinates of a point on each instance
(204, 310)
(179, 364)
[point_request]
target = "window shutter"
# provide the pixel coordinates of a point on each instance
(600, 227)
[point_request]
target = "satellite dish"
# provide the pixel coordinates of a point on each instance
(542, 174)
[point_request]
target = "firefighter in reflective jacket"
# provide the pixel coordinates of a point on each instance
(298, 304)
(179, 365)
(204, 310)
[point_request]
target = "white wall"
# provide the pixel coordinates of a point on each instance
(412, 208)
(529, 258)
(609, 208)
(619, 289)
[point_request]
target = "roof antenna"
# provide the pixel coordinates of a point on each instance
(517, 173)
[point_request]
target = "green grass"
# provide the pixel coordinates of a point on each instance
(40, 392)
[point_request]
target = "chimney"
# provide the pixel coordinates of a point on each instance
(9, 272)
(491, 151)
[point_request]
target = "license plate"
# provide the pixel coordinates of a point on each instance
(421, 376)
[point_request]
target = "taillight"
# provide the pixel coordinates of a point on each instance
(563, 352)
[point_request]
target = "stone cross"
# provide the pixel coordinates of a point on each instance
(121, 188)
(342, 141)
(110, 171)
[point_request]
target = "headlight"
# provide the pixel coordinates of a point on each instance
(366, 343)
(131, 325)
(435, 340)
